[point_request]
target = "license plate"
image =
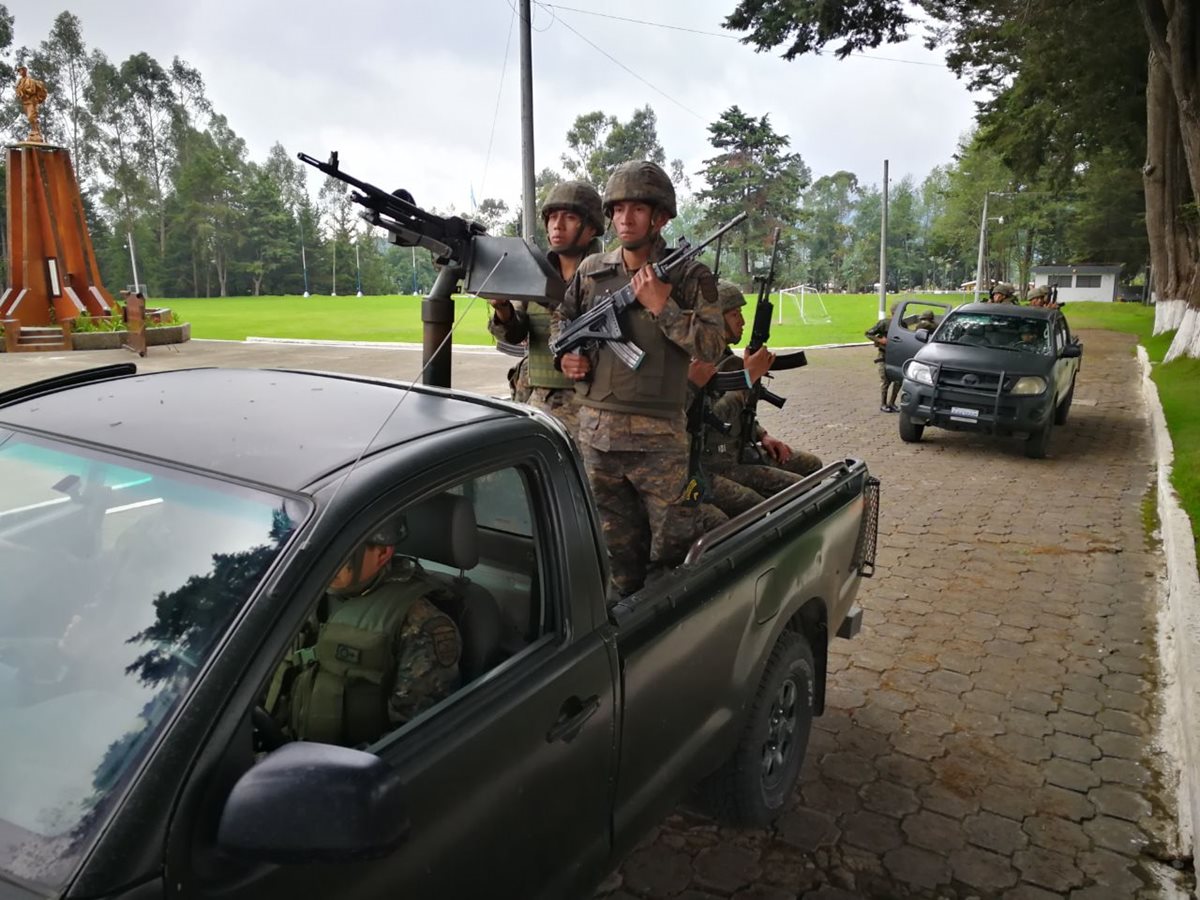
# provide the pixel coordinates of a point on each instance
(964, 414)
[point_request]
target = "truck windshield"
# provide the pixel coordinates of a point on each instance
(119, 578)
(1003, 332)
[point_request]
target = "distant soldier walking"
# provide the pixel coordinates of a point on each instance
(877, 335)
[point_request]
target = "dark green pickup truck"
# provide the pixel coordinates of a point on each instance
(163, 537)
(998, 368)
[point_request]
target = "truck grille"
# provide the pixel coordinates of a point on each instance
(868, 530)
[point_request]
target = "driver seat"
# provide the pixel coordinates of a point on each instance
(443, 530)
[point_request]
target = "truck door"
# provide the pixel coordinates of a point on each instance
(507, 780)
(902, 344)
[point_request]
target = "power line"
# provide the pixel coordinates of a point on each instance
(613, 59)
(592, 12)
(717, 34)
(499, 90)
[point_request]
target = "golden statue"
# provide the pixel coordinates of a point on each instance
(31, 93)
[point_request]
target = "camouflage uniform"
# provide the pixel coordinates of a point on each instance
(734, 485)
(428, 649)
(875, 334)
(632, 428)
(535, 380)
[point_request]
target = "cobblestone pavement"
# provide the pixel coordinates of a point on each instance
(990, 731)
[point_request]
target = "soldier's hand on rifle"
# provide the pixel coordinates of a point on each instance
(503, 310)
(758, 363)
(650, 292)
(576, 366)
(778, 450)
(700, 373)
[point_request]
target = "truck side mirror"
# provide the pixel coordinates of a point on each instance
(922, 336)
(1072, 351)
(308, 802)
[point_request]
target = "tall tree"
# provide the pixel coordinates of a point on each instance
(829, 206)
(753, 174)
(1172, 171)
(150, 95)
(62, 61)
(597, 144)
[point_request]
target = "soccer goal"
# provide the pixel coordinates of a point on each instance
(802, 303)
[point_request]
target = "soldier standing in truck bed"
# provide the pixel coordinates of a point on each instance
(574, 221)
(632, 423)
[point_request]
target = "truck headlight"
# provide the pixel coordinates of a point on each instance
(919, 372)
(1030, 384)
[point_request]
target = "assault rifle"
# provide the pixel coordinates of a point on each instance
(603, 321)
(760, 334)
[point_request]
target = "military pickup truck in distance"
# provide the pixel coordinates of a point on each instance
(164, 537)
(992, 367)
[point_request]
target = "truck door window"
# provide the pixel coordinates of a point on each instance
(466, 553)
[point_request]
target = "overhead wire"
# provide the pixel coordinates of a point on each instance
(550, 8)
(499, 91)
(716, 34)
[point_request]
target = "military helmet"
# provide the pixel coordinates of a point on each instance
(925, 316)
(1039, 292)
(729, 296)
(388, 533)
(578, 197)
(644, 182)
(1004, 288)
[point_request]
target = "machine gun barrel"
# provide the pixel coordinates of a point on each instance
(602, 322)
(448, 238)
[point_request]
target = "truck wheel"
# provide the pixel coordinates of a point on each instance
(755, 784)
(1060, 413)
(1038, 443)
(910, 431)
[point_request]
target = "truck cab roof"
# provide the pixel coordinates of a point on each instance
(273, 427)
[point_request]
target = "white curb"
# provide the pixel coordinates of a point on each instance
(1179, 621)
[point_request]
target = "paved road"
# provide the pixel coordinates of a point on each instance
(990, 731)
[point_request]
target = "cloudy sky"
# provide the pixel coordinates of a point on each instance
(408, 92)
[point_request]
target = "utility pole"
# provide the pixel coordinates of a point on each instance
(358, 267)
(982, 242)
(133, 263)
(883, 246)
(528, 199)
(333, 293)
(303, 257)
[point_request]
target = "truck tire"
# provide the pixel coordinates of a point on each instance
(1060, 412)
(1038, 443)
(910, 431)
(755, 784)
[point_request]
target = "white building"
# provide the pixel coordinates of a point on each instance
(1080, 282)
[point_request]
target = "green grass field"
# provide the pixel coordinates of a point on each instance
(398, 318)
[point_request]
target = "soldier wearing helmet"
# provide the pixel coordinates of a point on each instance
(736, 486)
(632, 424)
(376, 654)
(574, 221)
(1003, 292)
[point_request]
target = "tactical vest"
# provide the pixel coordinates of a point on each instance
(659, 385)
(340, 696)
(542, 373)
